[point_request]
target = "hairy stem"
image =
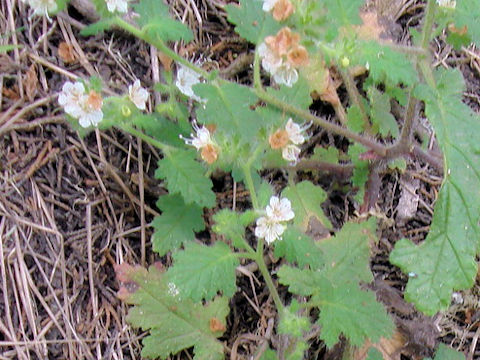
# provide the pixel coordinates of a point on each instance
(159, 44)
(154, 142)
(355, 96)
(335, 129)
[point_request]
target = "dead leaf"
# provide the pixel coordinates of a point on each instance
(391, 349)
(66, 53)
(408, 203)
(165, 60)
(11, 92)
(31, 82)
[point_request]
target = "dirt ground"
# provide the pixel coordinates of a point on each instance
(72, 208)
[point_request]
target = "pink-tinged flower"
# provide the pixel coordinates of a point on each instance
(282, 55)
(138, 95)
(271, 227)
(87, 108)
(117, 5)
(202, 141)
(287, 139)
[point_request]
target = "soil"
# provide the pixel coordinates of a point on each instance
(71, 207)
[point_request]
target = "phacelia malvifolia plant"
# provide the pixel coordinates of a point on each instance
(304, 50)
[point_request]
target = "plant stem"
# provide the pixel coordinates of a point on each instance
(409, 119)
(428, 24)
(164, 147)
(355, 96)
(259, 253)
(159, 44)
(250, 186)
(266, 276)
(336, 129)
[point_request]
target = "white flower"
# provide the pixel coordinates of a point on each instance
(117, 5)
(70, 98)
(201, 139)
(285, 74)
(269, 5)
(447, 3)
(295, 132)
(138, 94)
(91, 106)
(186, 78)
(270, 61)
(279, 210)
(270, 227)
(43, 7)
(87, 108)
(291, 153)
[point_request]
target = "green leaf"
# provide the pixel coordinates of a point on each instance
(467, 13)
(299, 248)
(232, 225)
(269, 354)
(355, 119)
(201, 271)
(176, 225)
(345, 309)
(445, 261)
(298, 95)
(155, 21)
(291, 323)
(347, 254)
(306, 199)
(344, 12)
(159, 128)
(184, 175)
(385, 64)
(174, 323)
(360, 170)
(301, 282)
(252, 23)
(329, 155)
(228, 107)
(98, 27)
(382, 119)
(446, 353)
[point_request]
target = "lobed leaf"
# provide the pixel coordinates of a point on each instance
(335, 288)
(306, 199)
(346, 309)
(201, 271)
(184, 175)
(446, 353)
(380, 113)
(155, 21)
(176, 225)
(299, 248)
(174, 323)
(467, 13)
(252, 23)
(232, 225)
(445, 261)
(228, 107)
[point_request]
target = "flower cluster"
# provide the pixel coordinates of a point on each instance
(138, 95)
(202, 140)
(271, 227)
(287, 139)
(42, 7)
(282, 56)
(86, 107)
(117, 5)
(282, 9)
(186, 78)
